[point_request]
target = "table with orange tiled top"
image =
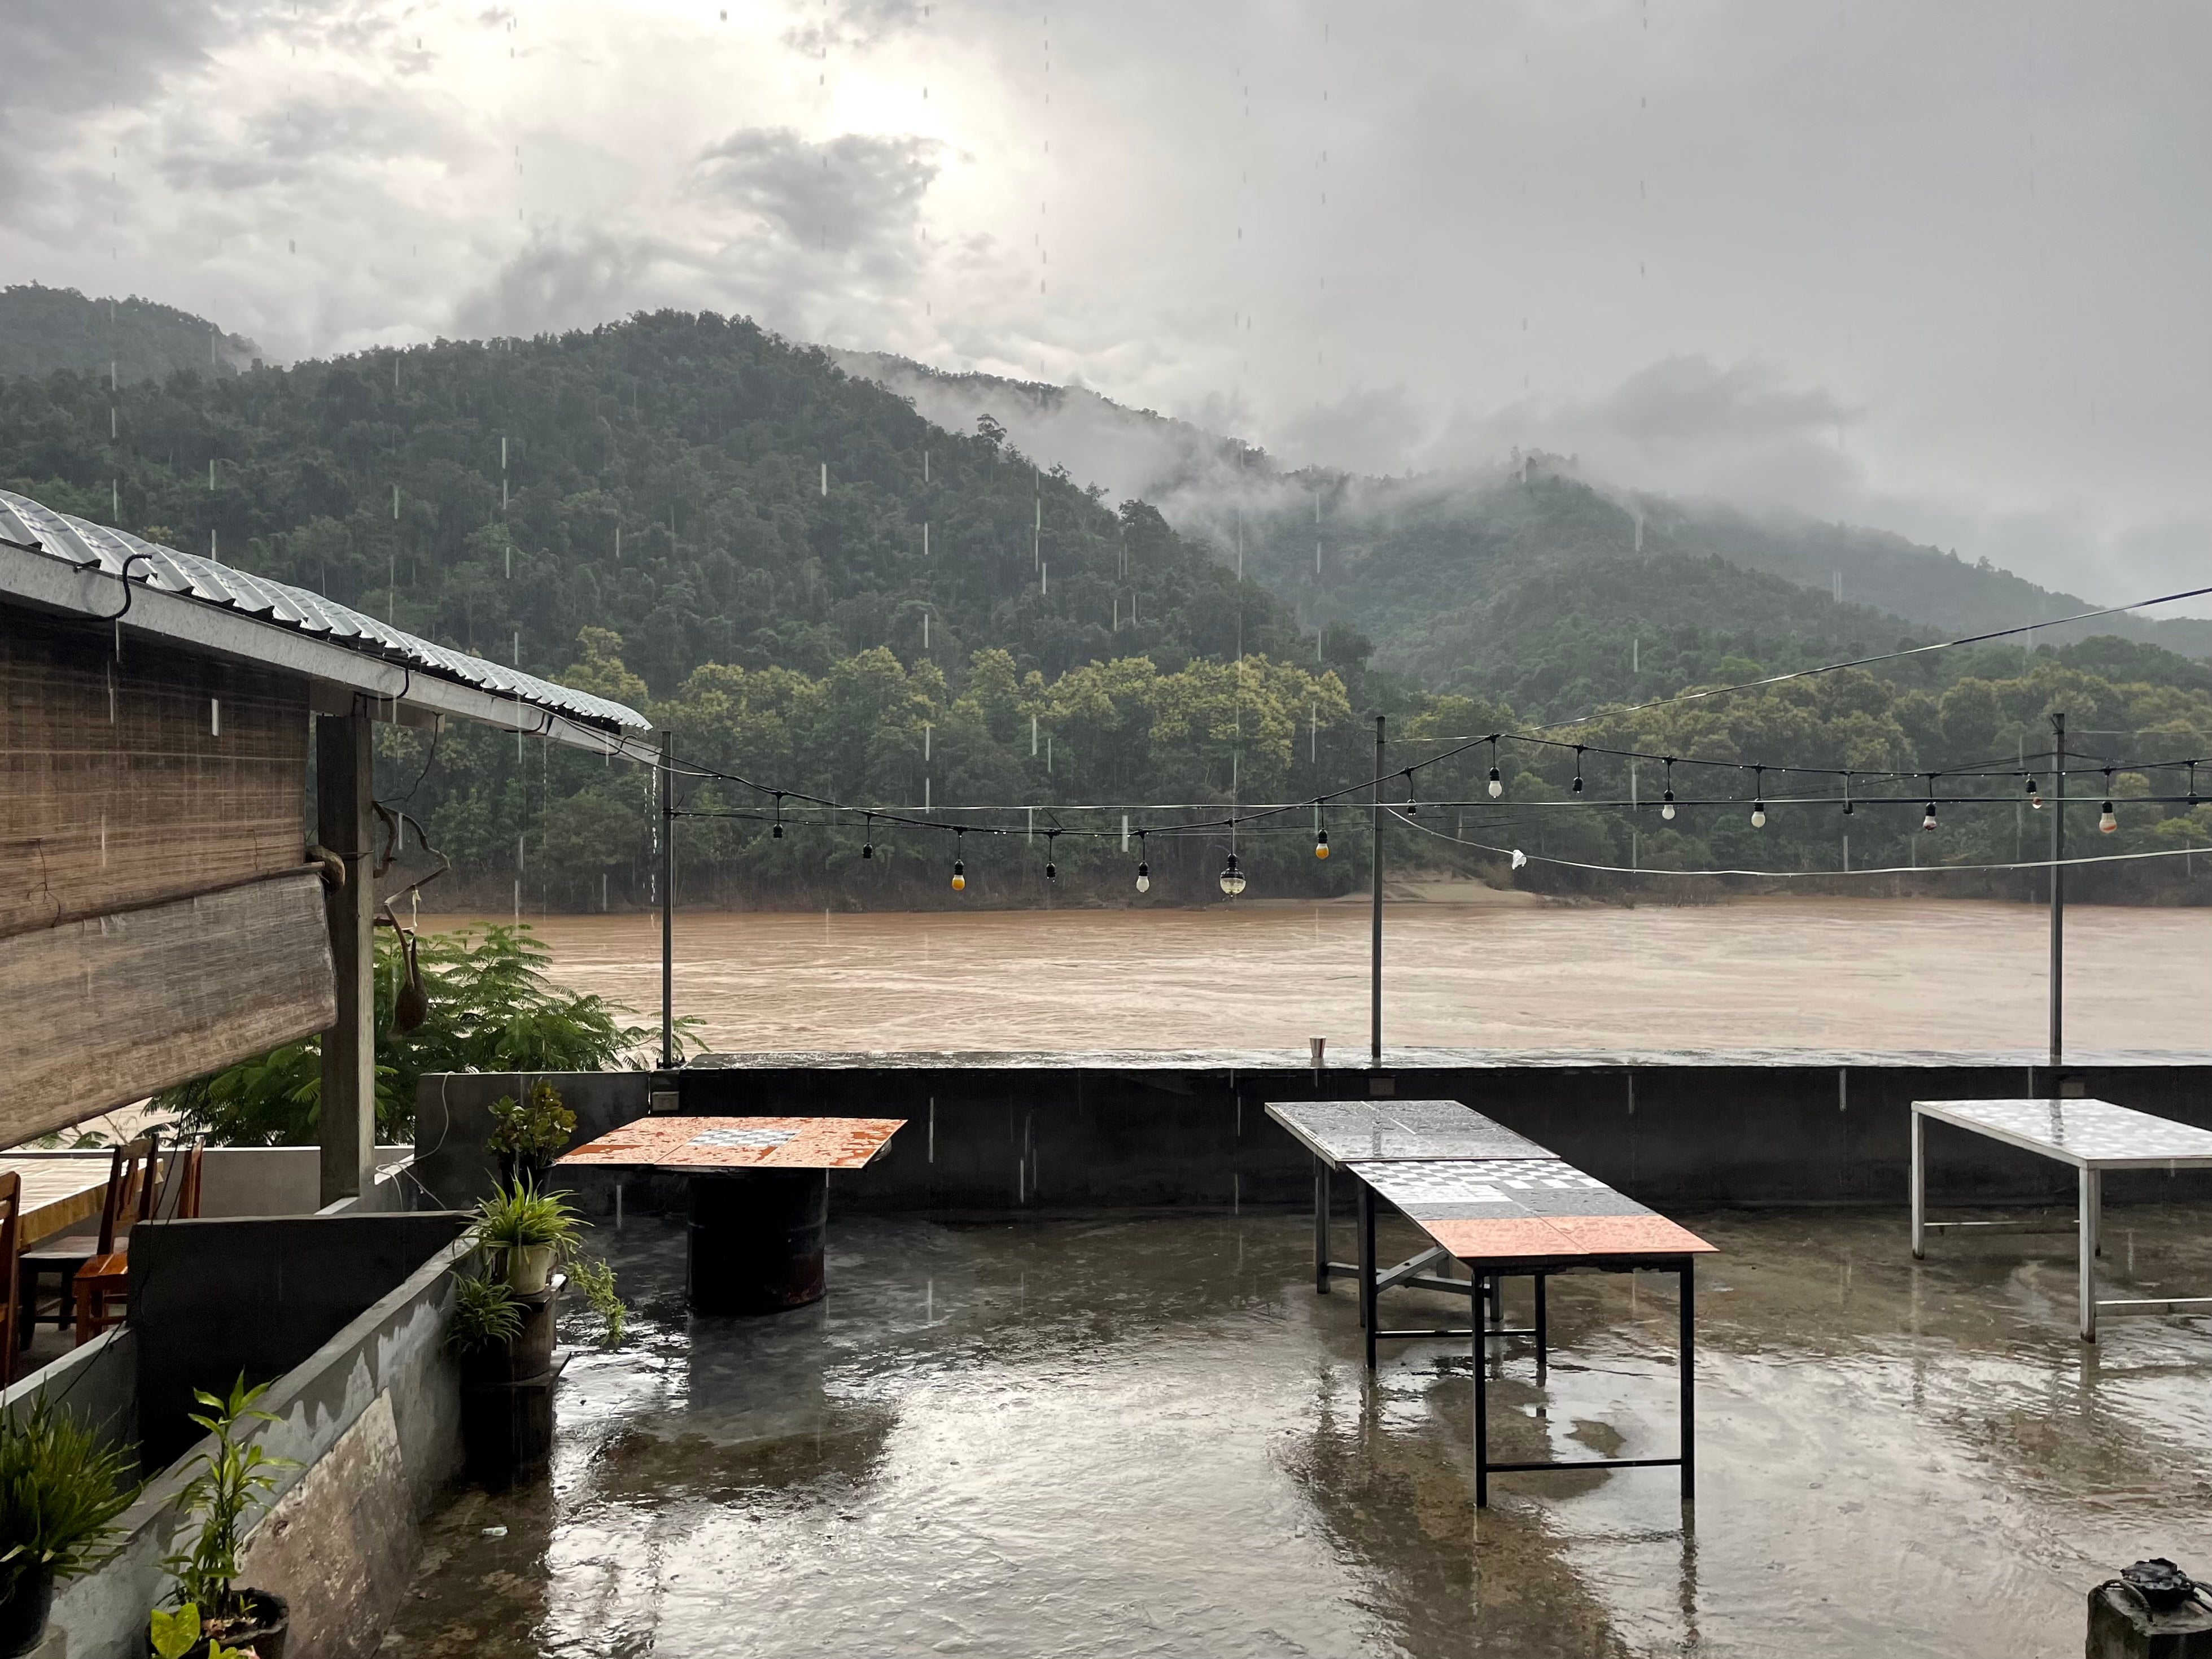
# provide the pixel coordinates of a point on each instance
(1500, 1206)
(760, 1196)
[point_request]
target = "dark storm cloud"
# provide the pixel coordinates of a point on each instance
(854, 195)
(569, 279)
(68, 58)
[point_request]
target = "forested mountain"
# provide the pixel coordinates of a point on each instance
(1399, 553)
(44, 330)
(815, 586)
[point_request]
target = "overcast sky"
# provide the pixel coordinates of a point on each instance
(1944, 268)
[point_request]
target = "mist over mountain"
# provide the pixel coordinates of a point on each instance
(1418, 563)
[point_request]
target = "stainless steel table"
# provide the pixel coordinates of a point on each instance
(1500, 1206)
(2092, 1135)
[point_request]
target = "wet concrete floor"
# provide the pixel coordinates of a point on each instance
(1136, 1436)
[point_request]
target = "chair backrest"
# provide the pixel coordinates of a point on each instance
(149, 1185)
(122, 1186)
(187, 1204)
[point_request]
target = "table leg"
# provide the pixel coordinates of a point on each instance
(1919, 1188)
(1689, 1381)
(2086, 1224)
(1320, 1226)
(1481, 1411)
(1367, 1268)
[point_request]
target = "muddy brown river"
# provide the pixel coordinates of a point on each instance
(1867, 975)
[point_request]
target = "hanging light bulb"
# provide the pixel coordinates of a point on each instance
(775, 831)
(1321, 843)
(1759, 800)
(1928, 818)
(959, 877)
(2108, 820)
(1144, 870)
(1578, 770)
(1667, 799)
(1496, 784)
(2034, 794)
(1232, 879)
(1412, 806)
(1051, 870)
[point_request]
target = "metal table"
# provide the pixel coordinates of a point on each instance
(2092, 1135)
(760, 1197)
(1341, 1133)
(1500, 1206)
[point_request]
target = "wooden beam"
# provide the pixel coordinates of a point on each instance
(344, 787)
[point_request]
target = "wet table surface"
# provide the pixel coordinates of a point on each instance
(1340, 1132)
(2092, 1135)
(709, 1143)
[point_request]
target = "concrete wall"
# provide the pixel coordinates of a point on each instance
(212, 1298)
(452, 1121)
(1002, 1132)
(369, 1419)
(269, 1180)
(97, 1383)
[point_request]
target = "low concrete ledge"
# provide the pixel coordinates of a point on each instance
(370, 1421)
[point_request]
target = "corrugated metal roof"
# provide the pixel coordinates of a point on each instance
(26, 523)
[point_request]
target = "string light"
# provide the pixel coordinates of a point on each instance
(1847, 794)
(2034, 794)
(868, 838)
(1497, 785)
(1667, 796)
(1232, 879)
(1321, 843)
(959, 867)
(2107, 820)
(775, 830)
(1578, 770)
(1412, 806)
(1051, 869)
(1758, 799)
(1143, 869)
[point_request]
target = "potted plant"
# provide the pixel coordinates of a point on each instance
(231, 1480)
(528, 1135)
(531, 1229)
(60, 1491)
(176, 1635)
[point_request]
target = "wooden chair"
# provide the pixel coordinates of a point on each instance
(11, 1216)
(65, 1257)
(118, 1212)
(105, 1279)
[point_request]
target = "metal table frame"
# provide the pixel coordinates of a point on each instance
(1684, 1267)
(2089, 1215)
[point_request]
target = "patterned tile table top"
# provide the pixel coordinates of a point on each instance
(2078, 1131)
(1342, 1131)
(1524, 1209)
(740, 1143)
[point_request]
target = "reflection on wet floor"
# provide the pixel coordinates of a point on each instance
(1122, 1436)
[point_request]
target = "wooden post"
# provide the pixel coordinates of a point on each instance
(344, 786)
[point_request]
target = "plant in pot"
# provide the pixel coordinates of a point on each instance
(530, 1230)
(529, 1134)
(60, 1491)
(231, 1480)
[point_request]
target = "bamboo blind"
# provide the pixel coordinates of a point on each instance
(119, 789)
(108, 1010)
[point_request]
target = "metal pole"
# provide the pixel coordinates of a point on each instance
(1375, 991)
(1689, 1380)
(667, 906)
(2058, 900)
